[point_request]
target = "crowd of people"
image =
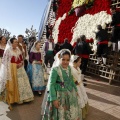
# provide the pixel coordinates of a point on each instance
(14, 82)
(65, 90)
(22, 71)
(17, 83)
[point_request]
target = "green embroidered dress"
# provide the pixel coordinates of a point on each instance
(62, 88)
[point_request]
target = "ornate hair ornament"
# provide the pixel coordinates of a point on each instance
(64, 50)
(74, 57)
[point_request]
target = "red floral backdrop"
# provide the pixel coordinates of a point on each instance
(67, 24)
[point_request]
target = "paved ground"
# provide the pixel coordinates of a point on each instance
(104, 100)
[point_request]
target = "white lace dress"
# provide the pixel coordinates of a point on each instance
(1, 53)
(83, 98)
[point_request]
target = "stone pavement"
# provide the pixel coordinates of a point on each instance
(104, 100)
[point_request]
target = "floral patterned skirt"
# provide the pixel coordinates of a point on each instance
(37, 82)
(25, 91)
(18, 90)
(69, 108)
(83, 100)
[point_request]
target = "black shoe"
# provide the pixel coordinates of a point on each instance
(84, 84)
(84, 80)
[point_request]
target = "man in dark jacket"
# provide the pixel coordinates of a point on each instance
(48, 48)
(102, 44)
(75, 46)
(83, 50)
(116, 27)
(66, 45)
(57, 47)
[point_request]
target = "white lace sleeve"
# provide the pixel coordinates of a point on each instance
(5, 69)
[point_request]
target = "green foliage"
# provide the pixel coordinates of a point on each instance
(90, 4)
(71, 11)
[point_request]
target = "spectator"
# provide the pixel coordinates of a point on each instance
(116, 28)
(102, 44)
(66, 45)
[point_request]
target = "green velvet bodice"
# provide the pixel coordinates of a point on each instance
(55, 80)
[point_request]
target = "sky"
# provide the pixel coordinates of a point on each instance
(17, 15)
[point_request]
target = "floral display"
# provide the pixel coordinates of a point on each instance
(78, 3)
(86, 25)
(56, 28)
(71, 26)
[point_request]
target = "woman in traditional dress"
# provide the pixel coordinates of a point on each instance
(82, 96)
(13, 76)
(62, 102)
(36, 61)
(2, 47)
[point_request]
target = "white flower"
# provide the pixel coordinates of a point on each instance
(56, 28)
(87, 24)
(84, 26)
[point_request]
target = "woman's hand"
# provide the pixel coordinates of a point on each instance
(56, 104)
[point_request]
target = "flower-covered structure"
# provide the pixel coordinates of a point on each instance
(73, 18)
(70, 26)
